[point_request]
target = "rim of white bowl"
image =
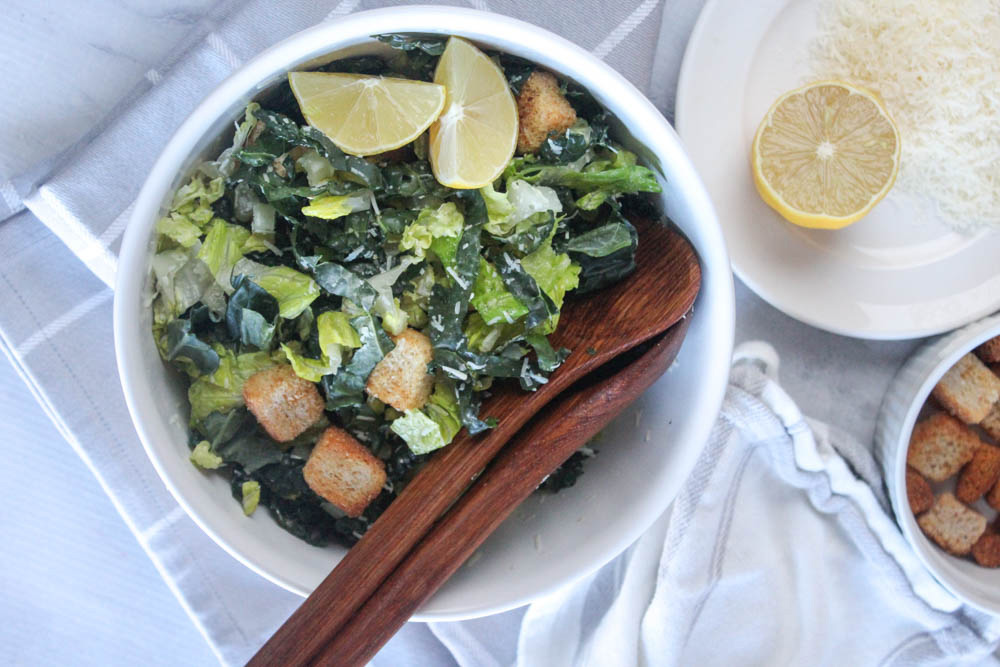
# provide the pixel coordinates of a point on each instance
(503, 33)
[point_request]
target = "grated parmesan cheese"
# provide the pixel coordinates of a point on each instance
(936, 66)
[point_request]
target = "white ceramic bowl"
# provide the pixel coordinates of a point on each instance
(909, 390)
(551, 540)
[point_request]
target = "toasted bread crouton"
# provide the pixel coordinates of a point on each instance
(283, 403)
(989, 351)
(979, 475)
(401, 379)
(918, 492)
(986, 550)
(343, 471)
(991, 422)
(940, 445)
(993, 499)
(968, 390)
(952, 525)
(541, 109)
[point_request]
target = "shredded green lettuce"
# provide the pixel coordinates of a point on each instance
(222, 390)
(203, 456)
(444, 221)
(331, 207)
(433, 426)
(221, 249)
(294, 290)
(251, 496)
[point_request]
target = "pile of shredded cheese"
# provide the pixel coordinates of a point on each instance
(936, 65)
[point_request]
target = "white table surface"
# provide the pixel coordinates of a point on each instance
(77, 588)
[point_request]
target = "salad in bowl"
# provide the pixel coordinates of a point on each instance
(384, 238)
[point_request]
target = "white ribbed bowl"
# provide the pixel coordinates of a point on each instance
(974, 585)
(551, 540)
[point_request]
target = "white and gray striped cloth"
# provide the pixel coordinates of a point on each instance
(776, 573)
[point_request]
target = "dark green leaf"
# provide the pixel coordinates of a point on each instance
(549, 359)
(432, 46)
(603, 240)
(252, 450)
(524, 288)
(346, 387)
(563, 147)
(251, 313)
(184, 345)
(338, 280)
(517, 70)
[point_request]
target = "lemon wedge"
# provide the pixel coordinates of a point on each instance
(825, 154)
(363, 114)
(474, 138)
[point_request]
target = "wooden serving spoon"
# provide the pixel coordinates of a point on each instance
(596, 328)
(575, 417)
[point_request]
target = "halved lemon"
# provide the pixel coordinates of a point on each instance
(475, 137)
(363, 114)
(825, 154)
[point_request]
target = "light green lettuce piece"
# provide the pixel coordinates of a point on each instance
(331, 207)
(223, 390)
(335, 329)
(317, 168)
(485, 337)
(294, 290)
(444, 221)
(221, 249)
(250, 491)
(394, 318)
(555, 274)
(335, 335)
(528, 199)
(179, 229)
(492, 300)
(432, 427)
(499, 211)
(308, 368)
(203, 456)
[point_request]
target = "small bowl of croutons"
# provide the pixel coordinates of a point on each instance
(938, 438)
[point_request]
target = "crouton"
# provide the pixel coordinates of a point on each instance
(940, 445)
(401, 379)
(993, 497)
(918, 492)
(968, 390)
(952, 525)
(979, 475)
(989, 351)
(986, 550)
(541, 109)
(991, 422)
(342, 470)
(284, 404)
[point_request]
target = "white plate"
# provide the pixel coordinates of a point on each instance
(898, 273)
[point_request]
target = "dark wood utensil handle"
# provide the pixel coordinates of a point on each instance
(536, 451)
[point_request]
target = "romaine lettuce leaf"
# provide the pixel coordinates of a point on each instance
(222, 390)
(556, 274)
(335, 328)
(221, 249)
(445, 220)
(295, 291)
(432, 427)
(251, 496)
(308, 368)
(203, 456)
(331, 207)
(492, 299)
